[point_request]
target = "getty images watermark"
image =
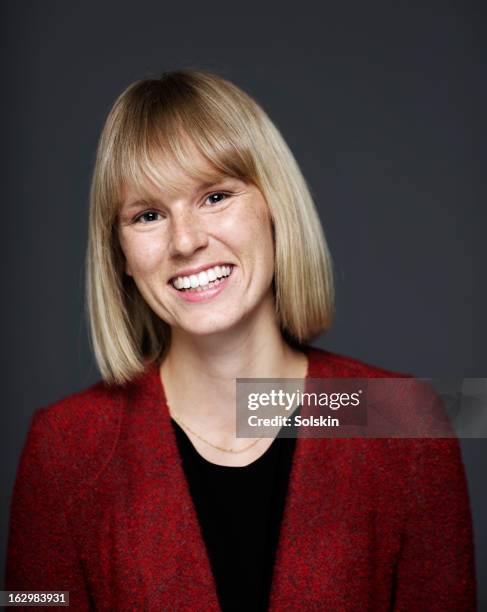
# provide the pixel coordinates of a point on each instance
(361, 407)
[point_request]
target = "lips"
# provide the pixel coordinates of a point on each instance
(197, 288)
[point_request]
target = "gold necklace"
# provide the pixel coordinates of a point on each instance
(181, 423)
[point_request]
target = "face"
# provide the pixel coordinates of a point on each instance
(202, 256)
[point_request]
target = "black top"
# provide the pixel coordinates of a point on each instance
(240, 511)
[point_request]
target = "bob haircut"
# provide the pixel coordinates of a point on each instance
(164, 119)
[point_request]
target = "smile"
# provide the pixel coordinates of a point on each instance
(202, 281)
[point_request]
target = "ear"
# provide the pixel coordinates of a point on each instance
(127, 269)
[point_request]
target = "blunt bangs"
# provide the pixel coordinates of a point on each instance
(159, 132)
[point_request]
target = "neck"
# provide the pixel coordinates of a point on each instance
(199, 372)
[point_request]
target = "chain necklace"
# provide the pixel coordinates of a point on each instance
(181, 423)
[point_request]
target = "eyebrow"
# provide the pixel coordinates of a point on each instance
(151, 200)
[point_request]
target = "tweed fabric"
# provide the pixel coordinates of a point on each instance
(101, 508)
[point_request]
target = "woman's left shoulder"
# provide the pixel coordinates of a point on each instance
(411, 398)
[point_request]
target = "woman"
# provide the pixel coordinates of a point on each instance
(207, 263)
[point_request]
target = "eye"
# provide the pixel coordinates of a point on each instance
(146, 217)
(216, 197)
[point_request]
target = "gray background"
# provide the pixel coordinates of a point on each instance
(383, 105)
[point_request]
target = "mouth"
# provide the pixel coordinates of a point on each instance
(205, 280)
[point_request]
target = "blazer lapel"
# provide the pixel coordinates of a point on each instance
(295, 560)
(187, 581)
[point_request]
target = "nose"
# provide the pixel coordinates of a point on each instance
(187, 233)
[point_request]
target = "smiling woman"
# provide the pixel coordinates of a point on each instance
(168, 146)
(225, 234)
(207, 263)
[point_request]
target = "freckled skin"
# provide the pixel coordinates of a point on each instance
(187, 229)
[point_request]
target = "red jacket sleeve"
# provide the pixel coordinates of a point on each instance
(41, 553)
(436, 570)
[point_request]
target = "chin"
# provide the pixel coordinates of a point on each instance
(207, 327)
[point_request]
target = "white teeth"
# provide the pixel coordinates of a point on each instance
(202, 279)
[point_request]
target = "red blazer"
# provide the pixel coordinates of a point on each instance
(101, 508)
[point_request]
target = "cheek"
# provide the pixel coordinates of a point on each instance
(142, 255)
(262, 237)
(249, 227)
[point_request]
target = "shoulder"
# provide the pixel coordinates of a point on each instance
(87, 412)
(329, 364)
(412, 404)
(403, 403)
(74, 437)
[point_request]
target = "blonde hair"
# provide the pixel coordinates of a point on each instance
(169, 116)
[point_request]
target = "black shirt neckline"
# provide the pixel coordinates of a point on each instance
(190, 448)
